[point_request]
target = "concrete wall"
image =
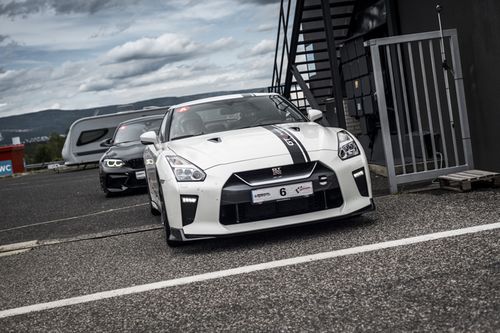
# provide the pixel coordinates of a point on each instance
(478, 25)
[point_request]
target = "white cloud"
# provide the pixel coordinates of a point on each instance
(68, 70)
(266, 27)
(165, 46)
(223, 43)
(23, 80)
(265, 46)
(134, 68)
(96, 84)
(208, 10)
(82, 56)
(112, 30)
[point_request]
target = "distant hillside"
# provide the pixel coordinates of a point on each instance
(38, 125)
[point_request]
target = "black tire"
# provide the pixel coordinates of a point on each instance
(108, 193)
(166, 226)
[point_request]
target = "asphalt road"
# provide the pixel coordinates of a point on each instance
(448, 284)
(61, 205)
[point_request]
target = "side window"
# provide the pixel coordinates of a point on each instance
(90, 136)
(153, 126)
(287, 109)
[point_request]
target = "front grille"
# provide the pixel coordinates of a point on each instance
(124, 180)
(136, 163)
(248, 212)
(237, 207)
(252, 177)
(116, 181)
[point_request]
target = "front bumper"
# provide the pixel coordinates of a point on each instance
(237, 206)
(349, 196)
(179, 235)
(122, 179)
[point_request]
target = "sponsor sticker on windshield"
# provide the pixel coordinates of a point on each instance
(182, 109)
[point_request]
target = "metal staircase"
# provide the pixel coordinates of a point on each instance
(306, 68)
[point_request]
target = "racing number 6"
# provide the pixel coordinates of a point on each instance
(282, 191)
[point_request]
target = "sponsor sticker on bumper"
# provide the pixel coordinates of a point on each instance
(282, 192)
(140, 174)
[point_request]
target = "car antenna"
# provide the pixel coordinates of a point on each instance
(445, 65)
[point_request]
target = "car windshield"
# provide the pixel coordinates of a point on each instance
(232, 114)
(131, 132)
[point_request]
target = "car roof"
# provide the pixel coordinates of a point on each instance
(141, 119)
(221, 98)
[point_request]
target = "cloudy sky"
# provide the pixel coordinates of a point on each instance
(72, 54)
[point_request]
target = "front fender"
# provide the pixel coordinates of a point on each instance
(170, 189)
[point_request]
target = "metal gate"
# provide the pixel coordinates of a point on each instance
(421, 103)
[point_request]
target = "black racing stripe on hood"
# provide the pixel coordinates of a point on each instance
(290, 144)
(304, 151)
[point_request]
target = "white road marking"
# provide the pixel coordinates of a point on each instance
(18, 246)
(244, 270)
(11, 253)
(73, 217)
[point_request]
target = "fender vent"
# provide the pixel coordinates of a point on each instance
(215, 140)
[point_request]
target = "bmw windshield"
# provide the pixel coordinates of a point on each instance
(232, 114)
(131, 132)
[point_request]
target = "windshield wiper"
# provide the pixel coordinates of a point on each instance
(262, 124)
(271, 123)
(186, 136)
(126, 141)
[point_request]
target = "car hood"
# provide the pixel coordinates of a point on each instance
(214, 149)
(126, 151)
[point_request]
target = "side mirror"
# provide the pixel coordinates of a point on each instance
(149, 138)
(314, 114)
(106, 142)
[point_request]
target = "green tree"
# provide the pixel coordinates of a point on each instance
(42, 153)
(46, 152)
(56, 143)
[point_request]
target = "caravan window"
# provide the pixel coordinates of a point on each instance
(87, 137)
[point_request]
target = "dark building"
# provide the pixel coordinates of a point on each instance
(325, 60)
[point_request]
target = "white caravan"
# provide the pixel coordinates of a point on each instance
(83, 142)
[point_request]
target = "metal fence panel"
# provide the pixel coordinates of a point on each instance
(426, 97)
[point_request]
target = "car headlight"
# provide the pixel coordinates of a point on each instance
(113, 163)
(184, 170)
(347, 146)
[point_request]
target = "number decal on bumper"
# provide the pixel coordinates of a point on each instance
(282, 192)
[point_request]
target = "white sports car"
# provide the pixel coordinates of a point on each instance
(242, 163)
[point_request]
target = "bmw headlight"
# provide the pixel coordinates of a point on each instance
(184, 170)
(113, 163)
(347, 146)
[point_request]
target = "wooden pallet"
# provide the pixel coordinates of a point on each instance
(462, 181)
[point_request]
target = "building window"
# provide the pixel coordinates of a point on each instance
(311, 66)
